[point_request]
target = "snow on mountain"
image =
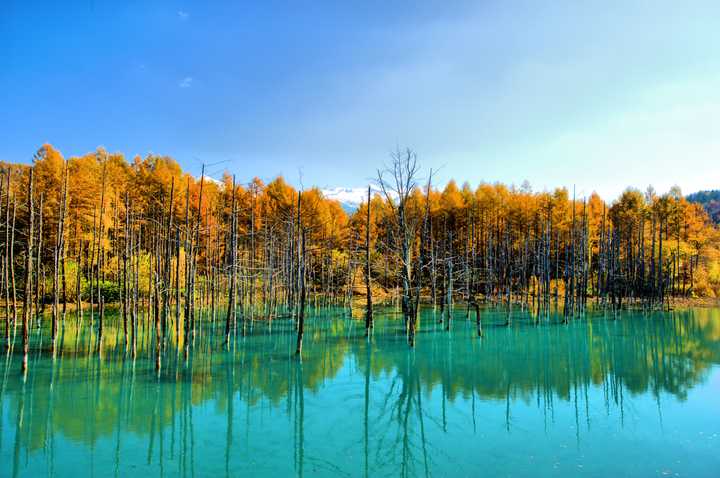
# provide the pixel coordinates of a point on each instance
(349, 198)
(213, 180)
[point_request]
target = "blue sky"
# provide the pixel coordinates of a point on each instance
(599, 94)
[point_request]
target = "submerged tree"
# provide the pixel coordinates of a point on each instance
(97, 231)
(398, 182)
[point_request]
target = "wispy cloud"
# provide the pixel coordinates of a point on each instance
(183, 15)
(186, 82)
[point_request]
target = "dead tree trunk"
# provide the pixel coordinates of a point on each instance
(368, 289)
(230, 317)
(27, 302)
(8, 261)
(404, 170)
(478, 320)
(301, 311)
(38, 263)
(59, 246)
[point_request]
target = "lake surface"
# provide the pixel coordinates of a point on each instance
(637, 396)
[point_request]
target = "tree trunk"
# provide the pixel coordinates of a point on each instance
(368, 289)
(27, 302)
(301, 312)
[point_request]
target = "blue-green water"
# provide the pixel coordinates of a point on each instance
(637, 396)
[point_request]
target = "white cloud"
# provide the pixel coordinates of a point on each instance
(183, 15)
(186, 82)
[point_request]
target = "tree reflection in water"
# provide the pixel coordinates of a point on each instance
(356, 405)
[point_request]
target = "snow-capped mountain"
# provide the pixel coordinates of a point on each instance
(349, 198)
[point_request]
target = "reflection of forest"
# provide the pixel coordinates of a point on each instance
(85, 395)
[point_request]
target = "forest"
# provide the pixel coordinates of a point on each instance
(164, 248)
(710, 200)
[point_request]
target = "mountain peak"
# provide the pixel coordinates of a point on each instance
(349, 197)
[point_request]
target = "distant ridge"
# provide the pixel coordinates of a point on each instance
(351, 198)
(710, 200)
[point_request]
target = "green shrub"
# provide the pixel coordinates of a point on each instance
(109, 290)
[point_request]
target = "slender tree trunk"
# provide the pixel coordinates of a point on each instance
(27, 302)
(59, 245)
(12, 265)
(8, 261)
(125, 254)
(478, 319)
(301, 312)
(38, 262)
(368, 289)
(230, 317)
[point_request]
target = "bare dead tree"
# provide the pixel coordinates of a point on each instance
(397, 182)
(27, 302)
(368, 288)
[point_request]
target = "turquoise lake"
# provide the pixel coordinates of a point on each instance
(638, 396)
